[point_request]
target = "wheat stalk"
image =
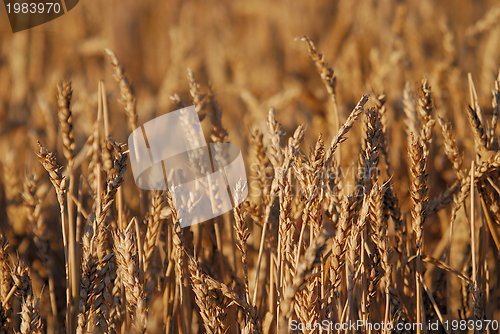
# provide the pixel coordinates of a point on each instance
(425, 109)
(154, 224)
(40, 232)
(199, 98)
(128, 265)
(329, 80)
(64, 94)
(418, 193)
(48, 161)
(5, 278)
(127, 94)
(31, 323)
(340, 137)
(380, 238)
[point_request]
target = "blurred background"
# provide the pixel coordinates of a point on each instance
(246, 51)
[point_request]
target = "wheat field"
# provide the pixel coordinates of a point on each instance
(369, 134)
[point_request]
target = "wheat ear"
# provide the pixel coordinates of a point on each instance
(64, 94)
(127, 94)
(48, 161)
(127, 260)
(329, 80)
(340, 137)
(40, 232)
(5, 278)
(418, 193)
(31, 323)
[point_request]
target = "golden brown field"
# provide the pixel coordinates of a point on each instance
(369, 134)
